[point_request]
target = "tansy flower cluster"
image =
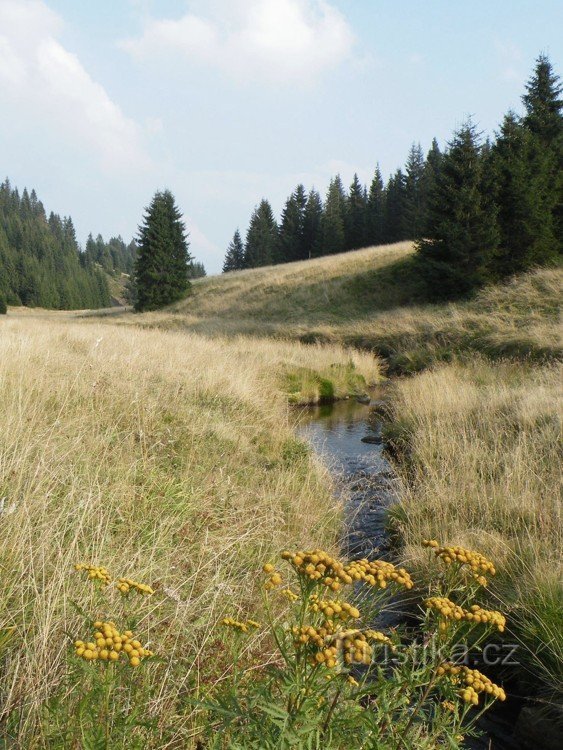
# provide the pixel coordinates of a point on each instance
(275, 578)
(451, 611)
(109, 645)
(378, 573)
(242, 627)
(124, 585)
(355, 644)
(318, 565)
(477, 563)
(333, 608)
(474, 682)
(95, 572)
(289, 594)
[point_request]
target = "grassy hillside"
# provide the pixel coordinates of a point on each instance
(372, 299)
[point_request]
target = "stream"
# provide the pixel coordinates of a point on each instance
(346, 435)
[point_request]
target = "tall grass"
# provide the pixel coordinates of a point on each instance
(166, 457)
(481, 465)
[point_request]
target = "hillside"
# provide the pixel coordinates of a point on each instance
(372, 299)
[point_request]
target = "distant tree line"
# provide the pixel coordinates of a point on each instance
(114, 256)
(479, 211)
(41, 263)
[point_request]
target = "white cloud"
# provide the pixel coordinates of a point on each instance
(45, 81)
(287, 41)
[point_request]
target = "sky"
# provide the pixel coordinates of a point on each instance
(227, 101)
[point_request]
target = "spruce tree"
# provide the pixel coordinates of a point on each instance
(462, 227)
(375, 211)
(543, 104)
(395, 207)
(234, 257)
(355, 216)
(544, 120)
(312, 218)
(291, 233)
(261, 237)
(161, 267)
(332, 224)
(525, 211)
(432, 167)
(414, 197)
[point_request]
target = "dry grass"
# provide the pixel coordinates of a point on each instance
(166, 457)
(371, 299)
(483, 470)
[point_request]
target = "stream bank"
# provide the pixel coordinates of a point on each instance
(347, 436)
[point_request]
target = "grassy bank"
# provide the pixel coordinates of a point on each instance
(166, 457)
(481, 453)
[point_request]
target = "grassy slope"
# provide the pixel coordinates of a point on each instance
(167, 457)
(372, 299)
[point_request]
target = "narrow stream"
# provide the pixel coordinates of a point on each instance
(347, 436)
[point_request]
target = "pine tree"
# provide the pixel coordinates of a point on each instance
(355, 216)
(544, 120)
(291, 233)
(462, 225)
(432, 167)
(525, 214)
(395, 207)
(196, 270)
(234, 257)
(261, 237)
(332, 224)
(375, 211)
(312, 218)
(161, 268)
(414, 197)
(543, 104)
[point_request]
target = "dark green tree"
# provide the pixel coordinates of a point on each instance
(333, 236)
(462, 227)
(432, 167)
(3, 306)
(312, 219)
(414, 209)
(196, 270)
(161, 267)
(395, 208)
(261, 237)
(291, 244)
(355, 216)
(524, 197)
(544, 119)
(543, 104)
(234, 257)
(375, 211)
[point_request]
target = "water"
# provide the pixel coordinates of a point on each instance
(368, 487)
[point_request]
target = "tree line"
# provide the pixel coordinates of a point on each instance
(41, 264)
(479, 210)
(114, 256)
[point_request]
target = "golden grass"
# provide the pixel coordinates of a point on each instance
(483, 470)
(166, 457)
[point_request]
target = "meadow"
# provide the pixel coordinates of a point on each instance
(168, 458)
(161, 445)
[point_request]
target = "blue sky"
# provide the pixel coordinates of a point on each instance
(227, 101)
